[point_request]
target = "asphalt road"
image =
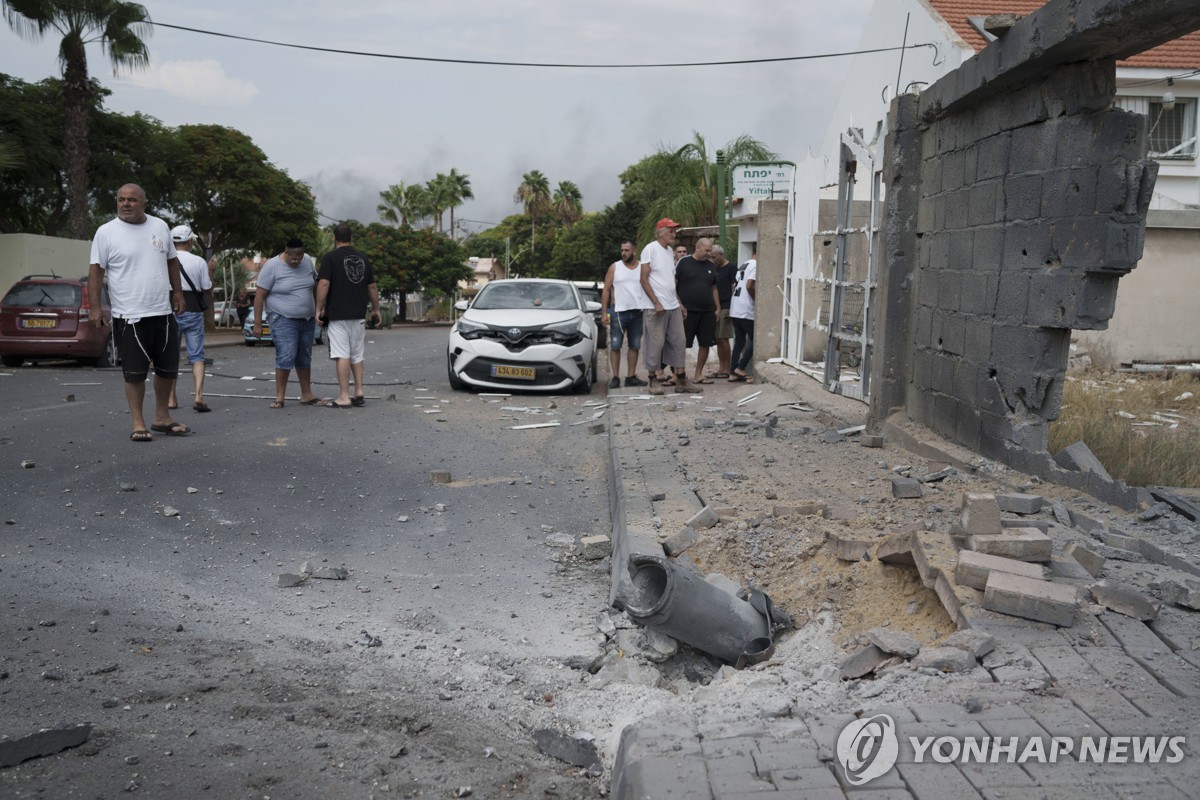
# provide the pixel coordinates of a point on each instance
(179, 617)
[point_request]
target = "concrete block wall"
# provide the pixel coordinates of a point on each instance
(1017, 198)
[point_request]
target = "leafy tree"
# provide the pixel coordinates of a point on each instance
(119, 28)
(33, 197)
(391, 208)
(441, 196)
(405, 260)
(567, 203)
(576, 255)
(617, 223)
(230, 192)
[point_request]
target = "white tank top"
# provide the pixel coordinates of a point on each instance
(627, 288)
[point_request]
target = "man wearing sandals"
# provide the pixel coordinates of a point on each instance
(133, 253)
(662, 335)
(345, 285)
(197, 300)
(741, 311)
(287, 295)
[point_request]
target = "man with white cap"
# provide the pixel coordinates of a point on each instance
(197, 297)
(663, 337)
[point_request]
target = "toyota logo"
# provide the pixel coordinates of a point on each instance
(513, 333)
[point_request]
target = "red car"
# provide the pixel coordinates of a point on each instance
(46, 317)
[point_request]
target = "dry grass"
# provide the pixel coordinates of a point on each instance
(1143, 428)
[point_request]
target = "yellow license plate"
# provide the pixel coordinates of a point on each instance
(525, 373)
(39, 323)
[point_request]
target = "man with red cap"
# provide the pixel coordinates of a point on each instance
(662, 334)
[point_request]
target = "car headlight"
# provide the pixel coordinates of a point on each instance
(470, 330)
(568, 328)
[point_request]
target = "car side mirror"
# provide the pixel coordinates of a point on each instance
(592, 306)
(462, 305)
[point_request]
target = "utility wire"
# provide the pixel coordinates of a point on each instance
(478, 62)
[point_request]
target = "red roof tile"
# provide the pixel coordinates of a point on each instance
(1181, 53)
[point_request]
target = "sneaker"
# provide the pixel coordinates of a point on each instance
(634, 380)
(615, 383)
(655, 388)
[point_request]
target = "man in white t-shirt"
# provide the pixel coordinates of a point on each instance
(134, 254)
(197, 297)
(624, 295)
(662, 335)
(741, 314)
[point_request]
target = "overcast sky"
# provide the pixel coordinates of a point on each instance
(350, 125)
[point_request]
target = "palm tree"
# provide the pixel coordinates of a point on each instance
(534, 194)
(568, 203)
(392, 208)
(682, 183)
(462, 193)
(442, 193)
(120, 28)
(416, 204)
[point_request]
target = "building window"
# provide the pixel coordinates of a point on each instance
(1172, 131)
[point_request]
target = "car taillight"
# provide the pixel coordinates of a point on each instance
(84, 305)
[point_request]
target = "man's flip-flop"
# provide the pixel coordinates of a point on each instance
(358, 401)
(316, 401)
(277, 404)
(703, 380)
(737, 378)
(174, 429)
(335, 404)
(201, 407)
(141, 435)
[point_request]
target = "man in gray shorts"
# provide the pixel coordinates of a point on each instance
(662, 337)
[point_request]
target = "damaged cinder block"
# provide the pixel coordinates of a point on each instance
(594, 548)
(850, 548)
(863, 662)
(1019, 596)
(808, 508)
(1088, 559)
(704, 518)
(45, 742)
(896, 549)
(906, 488)
(980, 514)
(1019, 503)
(974, 568)
(1079, 458)
(679, 541)
(1023, 544)
(1182, 592)
(1125, 600)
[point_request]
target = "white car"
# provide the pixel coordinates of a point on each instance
(526, 333)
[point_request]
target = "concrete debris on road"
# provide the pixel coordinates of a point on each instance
(44, 742)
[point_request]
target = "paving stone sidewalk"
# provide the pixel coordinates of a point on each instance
(1107, 675)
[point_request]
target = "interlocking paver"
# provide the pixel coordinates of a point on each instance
(1133, 634)
(732, 774)
(984, 776)
(937, 782)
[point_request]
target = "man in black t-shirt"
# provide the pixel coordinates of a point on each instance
(696, 285)
(345, 284)
(726, 277)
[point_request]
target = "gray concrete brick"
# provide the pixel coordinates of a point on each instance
(790, 794)
(663, 778)
(987, 776)
(862, 662)
(1087, 558)
(922, 730)
(978, 513)
(906, 488)
(1134, 636)
(973, 568)
(1019, 502)
(1179, 675)
(937, 782)
(1125, 600)
(732, 775)
(1021, 544)
(1019, 792)
(984, 201)
(818, 776)
(933, 712)
(1076, 774)
(871, 793)
(1019, 596)
(825, 730)
(1034, 148)
(1123, 673)
(988, 252)
(795, 752)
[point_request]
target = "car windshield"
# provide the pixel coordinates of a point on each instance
(46, 295)
(550, 296)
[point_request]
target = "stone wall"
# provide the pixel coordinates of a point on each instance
(1016, 199)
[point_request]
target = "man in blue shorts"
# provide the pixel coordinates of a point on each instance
(287, 287)
(197, 297)
(624, 294)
